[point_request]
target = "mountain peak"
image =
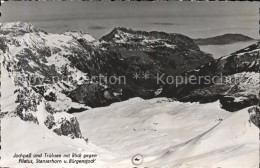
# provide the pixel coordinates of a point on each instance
(127, 35)
(18, 26)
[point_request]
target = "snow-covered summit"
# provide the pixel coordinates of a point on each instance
(17, 26)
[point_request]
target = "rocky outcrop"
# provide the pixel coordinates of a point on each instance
(33, 107)
(254, 113)
(233, 79)
(68, 127)
(232, 104)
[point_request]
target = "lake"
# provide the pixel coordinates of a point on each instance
(222, 50)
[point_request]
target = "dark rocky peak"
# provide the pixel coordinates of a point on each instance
(127, 35)
(169, 53)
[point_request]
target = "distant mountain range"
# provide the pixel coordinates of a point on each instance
(223, 39)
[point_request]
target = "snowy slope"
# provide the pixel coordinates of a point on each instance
(8, 95)
(173, 133)
(167, 133)
(26, 137)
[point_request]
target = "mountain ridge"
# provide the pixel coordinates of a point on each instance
(228, 38)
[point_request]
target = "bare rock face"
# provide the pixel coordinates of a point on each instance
(68, 127)
(254, 113)
(231, 104)
(63, 124)
(34, 108)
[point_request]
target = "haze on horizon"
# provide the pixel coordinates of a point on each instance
(196, 20)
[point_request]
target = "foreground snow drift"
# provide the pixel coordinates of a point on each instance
(167, 134)
(23, 138)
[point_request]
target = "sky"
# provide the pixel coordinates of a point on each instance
(194, 19)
